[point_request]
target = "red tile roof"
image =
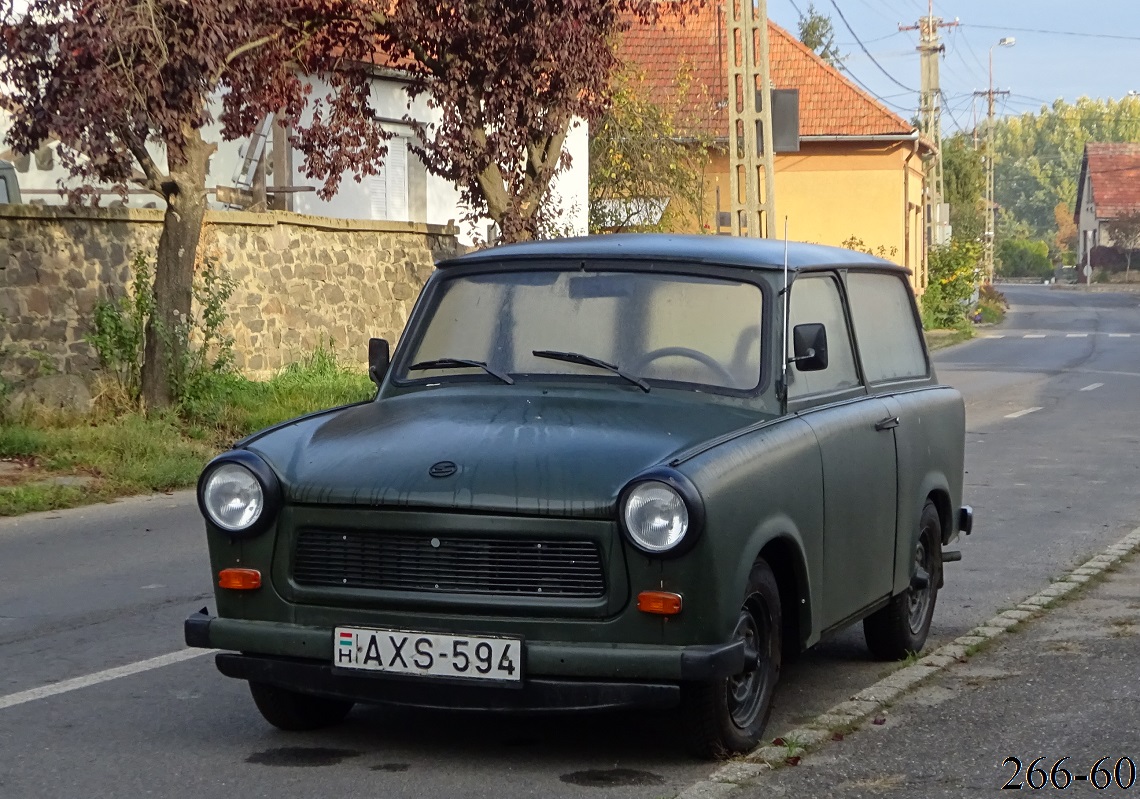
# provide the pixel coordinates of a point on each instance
(830, 104)
(1115, 172)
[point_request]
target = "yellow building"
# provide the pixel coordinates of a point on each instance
(857, 179)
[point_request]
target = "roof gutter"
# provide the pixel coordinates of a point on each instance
(913, 136)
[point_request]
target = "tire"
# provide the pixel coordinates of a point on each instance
(728, 715)
(901, 627)
(297, 712)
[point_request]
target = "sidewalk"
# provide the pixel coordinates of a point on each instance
(1064, 685)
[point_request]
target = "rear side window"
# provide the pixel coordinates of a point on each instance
(885, 328)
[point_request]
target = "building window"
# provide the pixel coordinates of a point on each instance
(388, 189)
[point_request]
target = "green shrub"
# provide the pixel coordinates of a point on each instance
(954, 271)
(200, 350)
(119, 329)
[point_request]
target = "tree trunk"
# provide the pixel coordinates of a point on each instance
(185, 192)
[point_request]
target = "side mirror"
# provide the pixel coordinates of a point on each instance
(809, 343)
(379, 357)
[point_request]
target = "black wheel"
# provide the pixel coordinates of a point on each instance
(729, 715)
(902, 626)
(296, 712)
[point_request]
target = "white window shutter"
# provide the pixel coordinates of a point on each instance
(378, 194)
(397, 175)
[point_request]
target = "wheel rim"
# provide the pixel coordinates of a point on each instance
(920, 599)
(746, 691)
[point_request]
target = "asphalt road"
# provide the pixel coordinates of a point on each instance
(1051, 464)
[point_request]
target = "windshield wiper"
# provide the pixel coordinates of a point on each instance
(587, 360)
(459, 363)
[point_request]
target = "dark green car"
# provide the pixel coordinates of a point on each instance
(602, 472)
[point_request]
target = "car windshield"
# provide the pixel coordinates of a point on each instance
(652, 326)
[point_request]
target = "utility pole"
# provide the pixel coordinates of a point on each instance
(751, 148)
(991, 217)
(930, 48)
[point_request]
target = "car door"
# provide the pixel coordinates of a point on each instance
(896, 367)
(857, 448)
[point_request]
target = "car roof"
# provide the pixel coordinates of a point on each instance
(720, 250)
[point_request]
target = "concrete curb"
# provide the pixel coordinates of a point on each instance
(869, 701)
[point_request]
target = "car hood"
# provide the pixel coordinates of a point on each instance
(528, 452)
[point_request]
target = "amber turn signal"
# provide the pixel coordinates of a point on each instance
(239, 579)
(662, 603)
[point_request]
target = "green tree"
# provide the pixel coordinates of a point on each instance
(647, 165)
(1038, 155)
(817, 32)
(1125, 234)
(964, 178)
(1024, 258)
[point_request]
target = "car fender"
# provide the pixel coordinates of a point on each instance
(780, 539)
(933, 485)
(759, 488)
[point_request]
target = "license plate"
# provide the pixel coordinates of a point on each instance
(429, 654)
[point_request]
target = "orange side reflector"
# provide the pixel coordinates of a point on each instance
(239, 579)
(663, 603)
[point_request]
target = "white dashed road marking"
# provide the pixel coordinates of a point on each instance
(1092, 387)
(1021, 413)
(1120, 335)
(1034, 335)
(1076, 335)
(74, 684)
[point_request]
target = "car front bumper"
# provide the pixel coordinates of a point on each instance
(559, 675)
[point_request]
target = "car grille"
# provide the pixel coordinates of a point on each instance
(421, 562)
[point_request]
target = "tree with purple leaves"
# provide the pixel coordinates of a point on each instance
(118, 81)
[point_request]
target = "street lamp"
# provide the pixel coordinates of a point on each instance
(988, 244)
(1005, 41)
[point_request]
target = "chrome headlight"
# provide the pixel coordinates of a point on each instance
(239, 493)
(655, 516)
(232, 497)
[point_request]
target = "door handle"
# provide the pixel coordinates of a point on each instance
(887, 424)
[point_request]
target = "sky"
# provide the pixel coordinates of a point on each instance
(1047, 61)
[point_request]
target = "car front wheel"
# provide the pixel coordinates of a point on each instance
(297, 712)
(901, 627)
(729, 715)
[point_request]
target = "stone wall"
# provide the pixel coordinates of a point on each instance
(301, 281)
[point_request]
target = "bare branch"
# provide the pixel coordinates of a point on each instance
(154, 176)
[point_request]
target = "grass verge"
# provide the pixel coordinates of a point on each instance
(48, 462)
(939, 339)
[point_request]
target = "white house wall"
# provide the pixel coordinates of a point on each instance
(430, 199)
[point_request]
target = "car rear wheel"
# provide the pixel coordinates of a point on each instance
(902, 626)
(297, 712)
(729, 715)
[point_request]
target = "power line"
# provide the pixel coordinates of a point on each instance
(848, 73)
(868, 52)
(949, 110)
(1053, 33)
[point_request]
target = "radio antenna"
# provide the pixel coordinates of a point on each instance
(784, 359)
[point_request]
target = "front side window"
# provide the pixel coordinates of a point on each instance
(652, 326)
(816, 300)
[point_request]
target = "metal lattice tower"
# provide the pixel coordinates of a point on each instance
(930, 48)
(751, 151)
